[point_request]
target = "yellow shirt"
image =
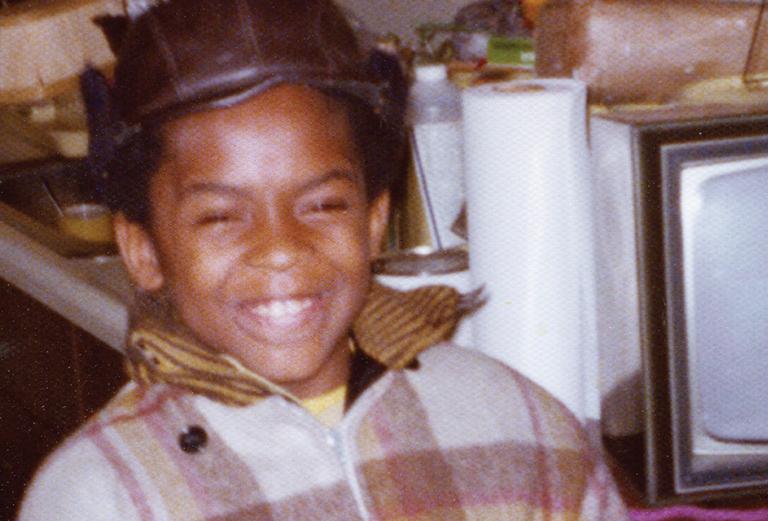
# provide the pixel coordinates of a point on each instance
(328, 407)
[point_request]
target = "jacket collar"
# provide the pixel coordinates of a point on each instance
(161, 350)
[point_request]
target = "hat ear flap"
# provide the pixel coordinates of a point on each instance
(97, 96)
(114, 28)
(385, 68)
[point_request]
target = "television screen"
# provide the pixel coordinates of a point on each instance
(717, 287)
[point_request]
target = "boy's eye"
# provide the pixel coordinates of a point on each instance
(329, 205)
(216, 217)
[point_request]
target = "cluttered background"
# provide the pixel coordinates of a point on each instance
(538, 171)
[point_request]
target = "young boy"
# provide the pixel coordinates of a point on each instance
(272, 380)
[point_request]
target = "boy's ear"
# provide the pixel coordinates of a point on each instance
(138, 253)
(378, 218)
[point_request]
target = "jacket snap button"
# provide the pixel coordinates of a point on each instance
(193, 439)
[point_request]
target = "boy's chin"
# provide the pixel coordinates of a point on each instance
(304, 369)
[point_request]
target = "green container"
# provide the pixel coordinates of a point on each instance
(511, 51)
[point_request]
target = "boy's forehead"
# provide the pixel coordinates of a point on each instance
(288, 133)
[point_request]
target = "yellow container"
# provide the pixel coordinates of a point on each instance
(87, 221)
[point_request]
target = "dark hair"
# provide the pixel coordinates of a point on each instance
(379, 138)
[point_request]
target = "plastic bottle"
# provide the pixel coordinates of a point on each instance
(434, 116)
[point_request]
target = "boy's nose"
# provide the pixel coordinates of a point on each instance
(277, 244)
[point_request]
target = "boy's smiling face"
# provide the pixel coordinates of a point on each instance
(262, 234)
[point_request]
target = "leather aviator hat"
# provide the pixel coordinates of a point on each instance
(182, 56)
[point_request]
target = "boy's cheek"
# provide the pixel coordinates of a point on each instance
(192, 262)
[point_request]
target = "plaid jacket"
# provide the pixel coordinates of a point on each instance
(460, 438)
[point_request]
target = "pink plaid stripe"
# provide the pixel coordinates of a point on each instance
(124, 473)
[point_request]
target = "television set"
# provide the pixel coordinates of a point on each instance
(681, 198)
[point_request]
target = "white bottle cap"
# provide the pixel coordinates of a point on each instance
(431, 72)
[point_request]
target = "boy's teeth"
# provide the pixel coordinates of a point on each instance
(280, 308)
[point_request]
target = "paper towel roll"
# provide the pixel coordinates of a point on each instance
(530, 233)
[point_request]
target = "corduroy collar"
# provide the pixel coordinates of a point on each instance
(392, 329)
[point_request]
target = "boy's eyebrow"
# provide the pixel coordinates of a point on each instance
(332, 175)
(209, 187)
(236, 191)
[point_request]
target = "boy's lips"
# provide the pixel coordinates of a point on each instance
(283, 308)
(280, 318)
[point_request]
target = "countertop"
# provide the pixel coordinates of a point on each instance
(94, 294)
